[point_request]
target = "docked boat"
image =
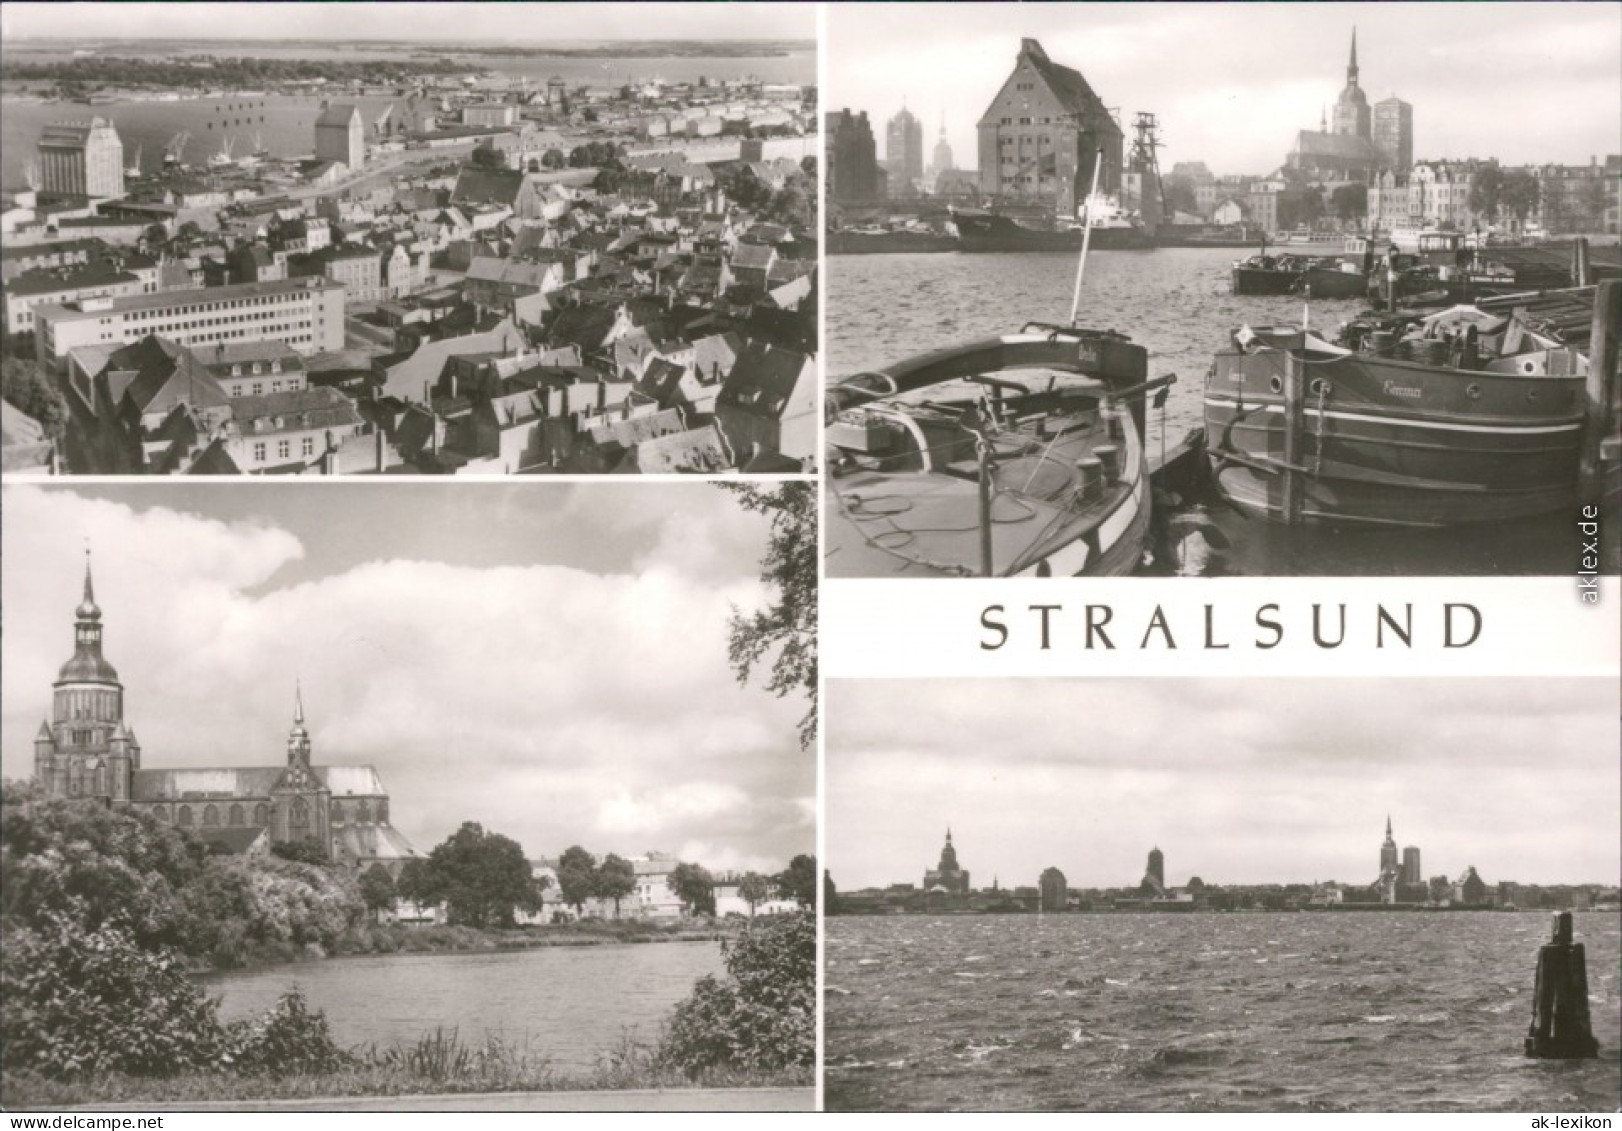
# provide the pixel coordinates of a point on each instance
(1346, 277)
(1017, 455)
(875, 240)
(1111, 228)
(1462, 416)
(1265, 274)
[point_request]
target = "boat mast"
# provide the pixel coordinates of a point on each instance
(1086, 235)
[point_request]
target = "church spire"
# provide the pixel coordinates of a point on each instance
(1351, 67)
(87, 609)
(298, 738)
(1388, 826)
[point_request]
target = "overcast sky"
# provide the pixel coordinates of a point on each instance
(1235, 781)
(1232, 83)
(502, 23)
(548, 660)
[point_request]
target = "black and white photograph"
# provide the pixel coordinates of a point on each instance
(1222, 895)
(359, 792)
(1201, 289)
(432, 239)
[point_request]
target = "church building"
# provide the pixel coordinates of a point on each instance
(86, 750)
(947, 876)
(1343, 149)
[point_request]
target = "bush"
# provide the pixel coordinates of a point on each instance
(763, 1015)
(75, 1002)
(288, 1040)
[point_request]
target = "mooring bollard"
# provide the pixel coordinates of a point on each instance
(1560, 1027)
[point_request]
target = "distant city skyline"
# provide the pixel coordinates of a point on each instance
(1247, 77)
(495, 23)
(550, 662)
(1237, 782)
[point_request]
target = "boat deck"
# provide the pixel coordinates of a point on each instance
(909, 523)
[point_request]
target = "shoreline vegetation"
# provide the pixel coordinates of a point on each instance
(439, 1063)
(439, 938)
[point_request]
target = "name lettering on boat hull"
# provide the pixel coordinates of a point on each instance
(1393, 389)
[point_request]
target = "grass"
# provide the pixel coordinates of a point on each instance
(439, 1063)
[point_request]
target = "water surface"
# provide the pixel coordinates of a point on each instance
(567, 1003)
(1205, 1012)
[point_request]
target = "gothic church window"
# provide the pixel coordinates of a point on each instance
(211, 816)
(261, 814)
(184, 820)
(235, 817)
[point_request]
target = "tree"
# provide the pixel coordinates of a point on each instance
(798, 881)
(1350, 202)
(616, 879)
(1486, 189)
(488, 157)
(482, 877)
(787, 628)
(1519, 195)
(190, 230)
(577, 877)
(1180, 196)
(754, 890)
(554, 159)
(763, 1016)
(1591, 201)
(808, 165)
(415, 883)
(790, 204)
(1300, 206)
(377, 888)
(746, 190)
(24, 385)
(695, 887)
(305, 850)
(830, 894)
(155, 234)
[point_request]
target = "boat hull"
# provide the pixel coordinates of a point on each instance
(1258, 281)
(893, 243)
(1394, 443)
(1326, 282)
(999, 233)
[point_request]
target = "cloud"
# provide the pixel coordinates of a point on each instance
(533, 698)
(1236, 780)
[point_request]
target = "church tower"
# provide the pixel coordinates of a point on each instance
(948, 874)
(1352, 116)
(301, 805)
(85, 750)
(1388, 850)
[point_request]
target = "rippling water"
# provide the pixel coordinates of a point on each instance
(1302, 1012)
(1175, 302)
(566, 1003)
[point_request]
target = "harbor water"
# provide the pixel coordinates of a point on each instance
(285, 124)
(1294, 1012)
(566, 1003)
(1177, 304)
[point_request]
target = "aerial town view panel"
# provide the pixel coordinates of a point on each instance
(370, 239)
(1314, 299)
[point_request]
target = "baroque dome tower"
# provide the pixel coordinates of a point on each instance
(85, 750)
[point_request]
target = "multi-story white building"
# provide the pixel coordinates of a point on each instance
(306, 313)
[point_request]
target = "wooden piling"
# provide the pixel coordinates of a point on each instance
(1579, 263)
(1294, 428)
(1603, 388)
(1560, 1028)
(984, 448)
